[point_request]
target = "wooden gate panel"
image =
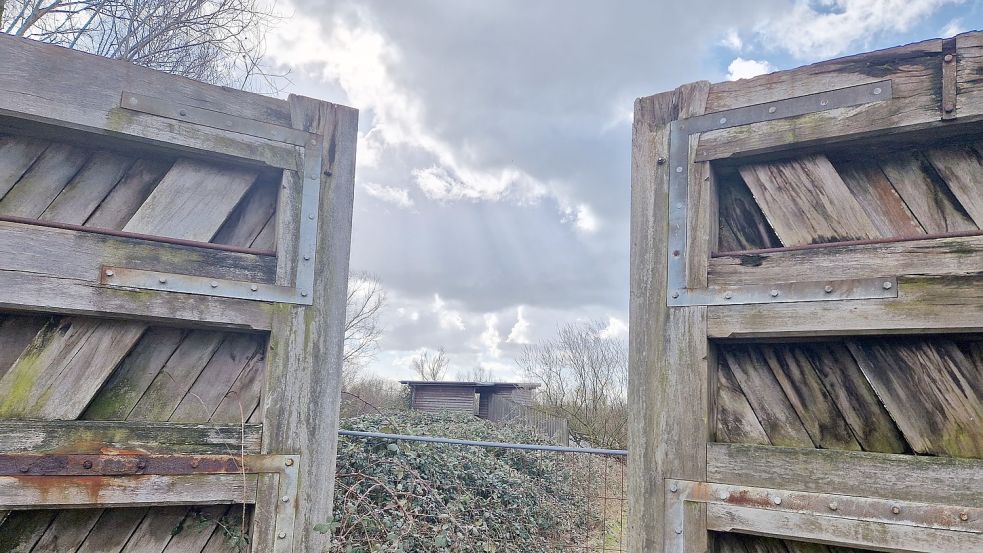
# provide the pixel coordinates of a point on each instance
(841, 307)
(112, 180)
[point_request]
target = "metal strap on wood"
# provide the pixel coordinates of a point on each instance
(841, 520)
(679, 167)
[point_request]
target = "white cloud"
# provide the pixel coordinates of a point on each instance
(733, 40)
(825, 28)
(616, 328)
(520, 330)
(411, 314)
(490, 339)
(389, 194)
(448, 319)
(741, 68)
(953, 28)
(582, 217)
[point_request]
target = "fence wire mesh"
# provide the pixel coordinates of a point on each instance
(584, 487)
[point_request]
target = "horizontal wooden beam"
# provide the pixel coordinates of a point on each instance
(938, 256)
(941, 480)
(79, 255)
(57, 492)
(831, 530)
(924, 305)
(20, 291)
(77, 101)
(103, 437)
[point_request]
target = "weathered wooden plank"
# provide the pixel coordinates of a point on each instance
(855, 399)
(17, 154)
(736, 422)
(938, 256)
(931, 389)
(67, 531)
(199, 195)
(43, 181)
(156, 529)
(303, 385)
(807, 202)
(102, 437)
(51, 492)
(969, 67)
(16, 333)
(962, 169)
(132, 191)
(884, 207)
(22, 530)
(928, 198)
(941, 480)
(244, 394)
(193, 533)
(217, 377)
(80, 255)
(49, 379)
(78, 101)
(122, 521)
(701, 228)
(177, 376)
(808, 396)
(771, 406)
(742, 225)
(82, 195)
(913, 71)
(250, 216)
(664, 372)
(923, 305)
(19, 290)
(880, 536)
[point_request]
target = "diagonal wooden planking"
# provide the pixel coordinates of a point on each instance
(736, 422)
(84, 193)
(17, 154)
(126, 198)
(42, 183)
(886, 210)
(928, 198)
(932, 390)
(962, 169)
(807, 202)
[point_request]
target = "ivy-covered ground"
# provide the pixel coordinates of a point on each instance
(410, 496)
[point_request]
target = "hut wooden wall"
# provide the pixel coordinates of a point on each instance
(887, 189)
(128, 370)
(435, 399)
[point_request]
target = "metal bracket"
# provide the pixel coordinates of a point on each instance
(949, 78)
(301, 293)
(727, 499)
(284, 467)
(679, 168)
(787, 292)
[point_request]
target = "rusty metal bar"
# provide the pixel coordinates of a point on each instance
(949, 79)
(135, 236)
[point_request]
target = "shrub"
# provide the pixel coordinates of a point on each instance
(411, 496)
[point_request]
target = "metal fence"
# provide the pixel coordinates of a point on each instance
(587, 484)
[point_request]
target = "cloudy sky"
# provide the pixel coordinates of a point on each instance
(492, 188)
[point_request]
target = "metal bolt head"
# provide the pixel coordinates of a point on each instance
(724, 495)
(723, 120)
(772, 109)
(774, 293)
(824, 102)
(887, 285)
(673, 488)
(949, 108)
(214, 284)
(728, 295)
(307, 258)
(828, 289)
(311, 216)
(964, 516)
(195, 463)
(141, 464)
(678, 530)
(162, 280)
(25, 468)
(948, 58)
(289, 462)
(877, 91)
(87, 464)
(282, 535)
(675, 295)
(303, 294)
(109, 273)
(183, 113)
(833, 506)
(660, 161)
(253, 287)
(679, 169)
(777, 500)
(896, 510)
(285, 499)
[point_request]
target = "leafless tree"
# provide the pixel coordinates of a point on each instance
(363, 328)
(372, 394)
(476, 374)
(216, 41)
(431, 365)
(583, 377)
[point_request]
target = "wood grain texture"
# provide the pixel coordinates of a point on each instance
(932, 390)
(882, 204)
(126, 198)
(912, 69)
(962, 169)
(940, 480)
(923, 305)
(736, 421)
(961, 256)
(925, 193)
(660, 339)
(43, 181)
(17, 154)
(969, 68)
(77, 101)
(741, 224)
(807, 202)
(83, 194)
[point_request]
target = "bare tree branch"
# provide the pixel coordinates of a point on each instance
(431, 365)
